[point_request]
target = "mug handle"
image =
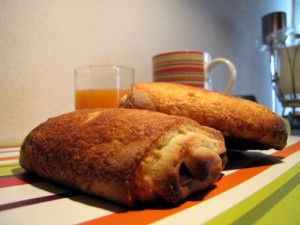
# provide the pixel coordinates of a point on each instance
(231, 68)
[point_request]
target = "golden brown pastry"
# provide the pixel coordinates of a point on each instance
(244, 124)
(125, 155)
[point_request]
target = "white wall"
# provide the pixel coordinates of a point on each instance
(41, 42)
(253, 64)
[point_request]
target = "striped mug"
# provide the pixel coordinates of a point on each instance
(190, 68)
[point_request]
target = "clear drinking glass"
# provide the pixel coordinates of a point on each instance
(101, 86)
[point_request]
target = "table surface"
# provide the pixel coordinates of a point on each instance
(257, 186)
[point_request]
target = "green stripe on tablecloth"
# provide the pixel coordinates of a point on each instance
(7, 169)
(284, 211)
(259, 206)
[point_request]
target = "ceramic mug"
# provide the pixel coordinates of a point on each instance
(190, 68)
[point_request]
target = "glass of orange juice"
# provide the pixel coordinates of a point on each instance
(101, 86)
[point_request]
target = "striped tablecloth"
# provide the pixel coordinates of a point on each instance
(258, 187)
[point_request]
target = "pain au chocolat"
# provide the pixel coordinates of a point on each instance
(125, 155)
(244, 124)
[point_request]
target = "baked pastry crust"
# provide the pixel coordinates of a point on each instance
(244, 124)
(125, 155)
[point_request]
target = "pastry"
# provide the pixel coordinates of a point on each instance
(125, 155)
(244, 124)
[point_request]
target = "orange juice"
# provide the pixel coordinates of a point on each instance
(89, 99)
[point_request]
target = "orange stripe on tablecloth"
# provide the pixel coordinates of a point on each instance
(10, 145)
(9, 158)
(146, 216)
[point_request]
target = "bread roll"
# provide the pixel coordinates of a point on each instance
(244, 124)
(125, 155)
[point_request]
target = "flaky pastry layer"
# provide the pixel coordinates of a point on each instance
(244, 124)
(125, 155)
